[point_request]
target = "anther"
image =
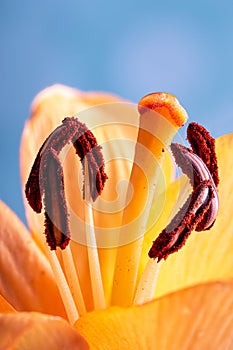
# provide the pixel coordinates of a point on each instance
(203, 145)
(174, 236)
(46, 178)
(200, 210)
(197, 171)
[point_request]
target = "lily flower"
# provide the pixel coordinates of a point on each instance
(81, 277)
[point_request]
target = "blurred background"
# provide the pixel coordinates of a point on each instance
(127, 47)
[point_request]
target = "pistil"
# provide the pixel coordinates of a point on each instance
(161, 115)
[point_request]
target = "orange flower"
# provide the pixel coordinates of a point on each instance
(87, 297)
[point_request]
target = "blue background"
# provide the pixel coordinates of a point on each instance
(127, 47)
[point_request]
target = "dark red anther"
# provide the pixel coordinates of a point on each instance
(200, 210)
(203, 145)
(174, 236)
(46, 178)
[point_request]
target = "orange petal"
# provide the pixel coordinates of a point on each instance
(36, 331)
(206, 256)
(196, 318)
(5, 306)
(26, 280)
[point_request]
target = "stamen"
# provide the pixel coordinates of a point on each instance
(197, 171)
(46, 177)
(200, 210)
(161, 115)
(46, 180)
(71, 309)
(73, 280)
(147, 285)
(93, 257)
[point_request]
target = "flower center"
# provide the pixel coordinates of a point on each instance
(157, 111)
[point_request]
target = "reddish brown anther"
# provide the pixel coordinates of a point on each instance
(46, 178)
(203, 145)
(174, 236)
(200, 210)
(197, 171)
